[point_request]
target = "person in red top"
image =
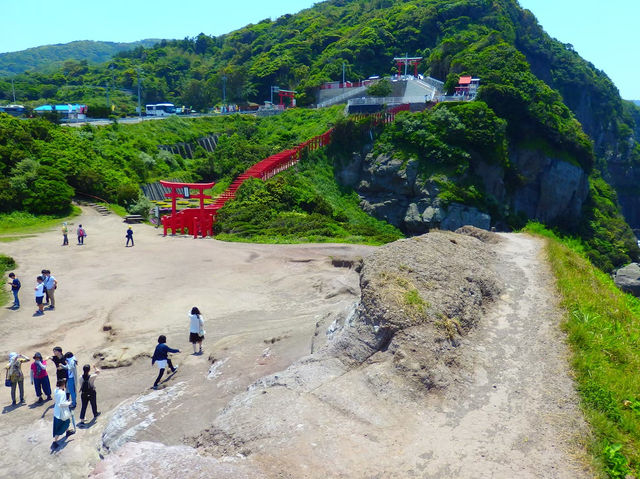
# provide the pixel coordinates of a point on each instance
(40, 378)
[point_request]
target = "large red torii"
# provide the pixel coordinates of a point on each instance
(194, 220)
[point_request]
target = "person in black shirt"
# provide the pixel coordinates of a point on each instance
(60, 361)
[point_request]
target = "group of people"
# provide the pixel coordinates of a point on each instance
(68, 383)
(45, 291)
(161, 354)
(81, 233)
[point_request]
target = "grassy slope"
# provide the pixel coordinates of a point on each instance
(603, 327)
(19, 223)
(304, 204)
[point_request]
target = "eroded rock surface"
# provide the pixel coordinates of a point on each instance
(453, 346)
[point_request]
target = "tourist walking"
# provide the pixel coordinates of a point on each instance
(161, 358)
(88, 392)
(61, 413)
(15, 287)
(196, 330)
(50, 285)
(65, 232)
(15, 376)
(72, 374)
(39, 296)
(129, 236)
(80, 231)
(40, 378)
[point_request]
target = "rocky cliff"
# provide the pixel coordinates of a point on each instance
(549, 190)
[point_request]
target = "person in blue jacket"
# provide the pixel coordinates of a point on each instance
(161, 359)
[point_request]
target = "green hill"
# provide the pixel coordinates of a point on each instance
(51, 57)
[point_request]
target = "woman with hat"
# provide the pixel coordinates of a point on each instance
(14, 374)
(40, 378)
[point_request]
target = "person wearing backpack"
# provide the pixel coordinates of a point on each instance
(88, 392)
(15, 287)
(14, 374)
(81, 234)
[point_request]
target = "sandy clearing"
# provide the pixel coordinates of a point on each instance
(261, 305)
(514, 414)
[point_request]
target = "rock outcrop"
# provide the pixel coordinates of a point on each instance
(549, 190)
(628, 279)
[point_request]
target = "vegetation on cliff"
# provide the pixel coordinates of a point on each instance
(304, 204)
(533, 87)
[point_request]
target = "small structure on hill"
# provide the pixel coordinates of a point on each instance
(467, 87)
(13, 110)
(70, 112)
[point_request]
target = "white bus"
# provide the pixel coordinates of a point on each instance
(160, 109)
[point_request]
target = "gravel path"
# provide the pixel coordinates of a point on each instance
(518, 415)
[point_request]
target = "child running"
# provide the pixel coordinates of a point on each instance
(160, 357)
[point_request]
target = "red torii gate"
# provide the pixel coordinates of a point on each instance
(291, 94)
(194, 220)
(406, 61)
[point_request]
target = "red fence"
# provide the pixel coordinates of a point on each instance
(264, 170)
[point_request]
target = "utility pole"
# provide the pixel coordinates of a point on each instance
(406, 63)
(343, 67)
(106, 86)
(224, 89)
(13, 90)
(139, 91)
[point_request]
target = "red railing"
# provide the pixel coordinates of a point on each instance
(273, 165)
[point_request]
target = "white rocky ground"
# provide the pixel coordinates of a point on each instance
(388, 392)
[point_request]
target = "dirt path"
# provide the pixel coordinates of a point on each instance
(517, 416)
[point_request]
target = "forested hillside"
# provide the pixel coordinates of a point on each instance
(49, 58)
(539, 99)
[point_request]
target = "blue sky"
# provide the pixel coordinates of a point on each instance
(602, 32)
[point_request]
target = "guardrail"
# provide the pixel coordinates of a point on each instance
(388, 100)
(341, 98)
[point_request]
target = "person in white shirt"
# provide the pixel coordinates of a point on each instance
(40, 296)
(196, 329)
(50, 284)
(61, 413)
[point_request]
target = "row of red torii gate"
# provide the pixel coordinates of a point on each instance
(200, 220)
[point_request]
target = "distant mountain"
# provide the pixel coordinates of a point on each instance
(637, 102)
(50, 57)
